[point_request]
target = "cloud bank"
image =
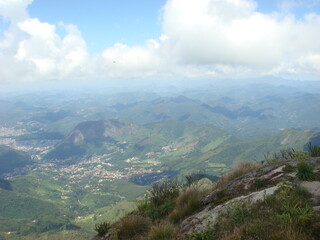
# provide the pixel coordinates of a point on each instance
(200, 38)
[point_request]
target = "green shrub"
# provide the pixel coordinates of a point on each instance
(160, 199)
(209, 234)
(221, 197)
(260, 183)
(283, 154)
(305, 171)
(162, 231)
(154, 212)
(292, 205)
(313, 150)
(160, 192)
(102, 228)
(240, 212)
(299, 215)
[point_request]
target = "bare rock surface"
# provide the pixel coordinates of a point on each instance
(270, 174)
(246, 185)
(209, 215)
(314, 189)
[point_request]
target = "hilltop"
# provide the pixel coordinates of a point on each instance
(279, 199)
(102, 130)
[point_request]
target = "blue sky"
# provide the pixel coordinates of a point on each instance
(59, 40)
(104, 22)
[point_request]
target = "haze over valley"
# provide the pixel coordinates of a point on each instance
(100, 101)
(90, 153)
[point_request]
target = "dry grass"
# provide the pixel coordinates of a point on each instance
(131, 226)
(287, 233)
(187, 203)
(235, 235)
(162, 231)
(240, 169)
(286, 215)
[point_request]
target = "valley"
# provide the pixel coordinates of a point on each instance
(119, 120)
(80, 159)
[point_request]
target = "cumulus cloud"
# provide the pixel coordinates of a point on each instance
(14, 10)
(214, 38)
(231, 33)
(123, 60)
(31, 50)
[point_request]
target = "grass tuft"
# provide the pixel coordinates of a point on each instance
(162, 231)
(160, 199)
(186, 204)
(305, 171)
(285, 215)
(102, 228)
(131, 226)
(313, 150)
(239, 170)
(162, 191)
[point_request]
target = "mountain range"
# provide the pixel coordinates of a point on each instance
(70, 160)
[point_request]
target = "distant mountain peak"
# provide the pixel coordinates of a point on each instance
(100, 130)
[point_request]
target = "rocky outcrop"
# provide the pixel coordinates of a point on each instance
(314, 189)
(268, 175)
(246, 188)
(200, 221)
(250, 188)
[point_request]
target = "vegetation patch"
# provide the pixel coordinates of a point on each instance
(102, 229)
(238, 171)
(131, 226)
(163, 231)
(160, 199)
(305, 171)
(285, 215)
(314, 150)
(187, 203)
(260, 183)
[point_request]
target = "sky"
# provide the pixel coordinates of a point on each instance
(63, 40)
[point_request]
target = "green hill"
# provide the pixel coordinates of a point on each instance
(174, 145)
(25, 214)
(164, 141)
(11, 159)
(261, 148)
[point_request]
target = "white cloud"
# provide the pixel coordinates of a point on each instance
(233, 34)
(215, 38)
(33, 51)
(137, 61)
(14, 10)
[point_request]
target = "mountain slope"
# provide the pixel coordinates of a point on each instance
(101, 130)
(11, 159)
(276, 200)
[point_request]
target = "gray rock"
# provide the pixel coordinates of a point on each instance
(314, 189)
(200, 221)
